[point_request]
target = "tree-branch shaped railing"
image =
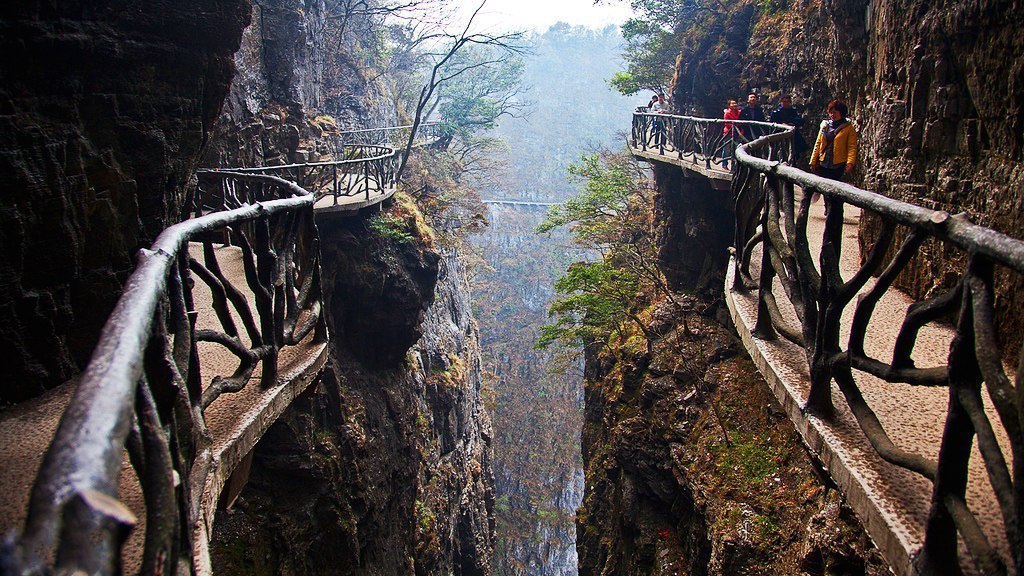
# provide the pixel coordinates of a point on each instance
(393, 136)
(143, 391)
(772, 227)
(708, 142)
(358, 170)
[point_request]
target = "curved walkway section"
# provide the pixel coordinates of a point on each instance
(217, 331)
(893, 502)
(362, 175)
(915, 418)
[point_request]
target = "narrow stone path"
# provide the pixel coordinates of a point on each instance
(235, 421)
(892, 502)
(376, 195)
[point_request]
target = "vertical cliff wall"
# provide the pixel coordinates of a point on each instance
(387, 468)
(104, 107)
(305, 72)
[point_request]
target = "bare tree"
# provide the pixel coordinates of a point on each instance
(442, 49)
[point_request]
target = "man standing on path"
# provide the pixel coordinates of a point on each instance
(752, 112)
(786, 114)
(659, 106)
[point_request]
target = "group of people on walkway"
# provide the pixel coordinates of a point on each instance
(833, 156)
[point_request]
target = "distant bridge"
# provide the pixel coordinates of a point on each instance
(529, 203)
(218, 330)
(820, 319)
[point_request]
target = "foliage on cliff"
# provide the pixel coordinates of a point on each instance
(611, 217)
(708, 51)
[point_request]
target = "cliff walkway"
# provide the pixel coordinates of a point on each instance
(218, 330)
(908, 403)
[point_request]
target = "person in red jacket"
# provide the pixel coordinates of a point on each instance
(730, 131)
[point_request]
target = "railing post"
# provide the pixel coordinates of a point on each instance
(366, 179)
(939, 554)
(335, 170)
(763, 328)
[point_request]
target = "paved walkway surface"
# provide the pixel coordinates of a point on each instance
(329, 203)
(892, 502)
(235, 421)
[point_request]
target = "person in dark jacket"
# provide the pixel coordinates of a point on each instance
(752, 111)
(786, 114)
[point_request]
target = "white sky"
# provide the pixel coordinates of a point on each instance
(503, 15)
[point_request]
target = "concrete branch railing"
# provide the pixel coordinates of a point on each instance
(394, 136)
(142, 392)
(771, 219)
(772, 225)
(708, 142)
(358, 170)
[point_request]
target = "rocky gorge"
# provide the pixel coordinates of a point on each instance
(934, 90)
(384, 465)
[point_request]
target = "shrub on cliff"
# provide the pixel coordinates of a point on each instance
(611, 218)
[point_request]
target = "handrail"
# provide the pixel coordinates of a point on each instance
(710, 141)
(361, 169)
(425, 131)
(141, 391)
(771, 219)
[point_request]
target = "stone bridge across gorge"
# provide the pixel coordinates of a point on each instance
(220, 327)
(911, 406)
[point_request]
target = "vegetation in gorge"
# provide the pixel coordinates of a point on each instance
(538, 412)
(611, 218)
(653, 39)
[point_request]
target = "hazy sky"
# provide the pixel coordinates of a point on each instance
(540, 14)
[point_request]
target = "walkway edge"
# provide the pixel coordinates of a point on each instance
(273, 403)
(888, 534)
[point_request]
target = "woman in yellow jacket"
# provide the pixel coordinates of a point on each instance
(835, 151)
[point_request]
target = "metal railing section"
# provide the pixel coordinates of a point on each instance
(359, 169)
(706, 141)
(394, 136)
(143, 392)
(772, 220)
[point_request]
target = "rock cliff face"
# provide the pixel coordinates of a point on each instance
(386, 469)
(695, 228)
(691, 466)
(105, 109)
(302, 77)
